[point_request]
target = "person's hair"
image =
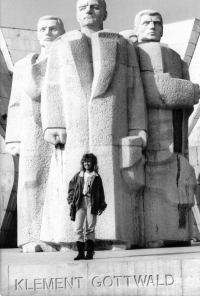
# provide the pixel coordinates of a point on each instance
(92, 158)
(145, 12)
(52, 17)
(103, 2)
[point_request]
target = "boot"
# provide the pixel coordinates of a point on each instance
(81, 249)
(90, 249)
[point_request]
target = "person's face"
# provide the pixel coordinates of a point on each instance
(150, 28)
(48, 31)
(90, 13)
(88, 165)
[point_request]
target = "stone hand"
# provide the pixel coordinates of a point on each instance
(139, 134)
(196, 93)
(13, 148)
(55, 136)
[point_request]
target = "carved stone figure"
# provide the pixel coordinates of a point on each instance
(170, 180)
(93, 101)
(24, 136)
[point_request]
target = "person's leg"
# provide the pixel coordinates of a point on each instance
(91, 221)
(78, 230)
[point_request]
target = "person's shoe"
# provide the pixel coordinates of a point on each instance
(81, 251)
(90, 250)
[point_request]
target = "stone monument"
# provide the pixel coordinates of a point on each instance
(93, 101)
(170, 179)
(24, 136)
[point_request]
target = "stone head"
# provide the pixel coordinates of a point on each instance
(148, 26)
(48, 29)
(91, 13)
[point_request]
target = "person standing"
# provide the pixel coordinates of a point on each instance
(87, 193)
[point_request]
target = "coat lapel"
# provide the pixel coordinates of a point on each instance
(104, 53)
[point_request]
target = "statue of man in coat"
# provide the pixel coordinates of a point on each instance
(91, 105)
(24, 136)
(170, 96)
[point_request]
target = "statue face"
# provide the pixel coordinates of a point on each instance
(48, 31)
(150, 28)
(90, 13)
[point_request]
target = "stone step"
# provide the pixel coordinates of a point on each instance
(155, 272)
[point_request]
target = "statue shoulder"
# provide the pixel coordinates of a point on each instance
(130, 35)
(66, 38)
(71, 35)
(25, 61)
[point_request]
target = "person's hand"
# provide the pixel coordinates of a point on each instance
(100, 212)
(13, 148)
(55, 136)
(196, 93)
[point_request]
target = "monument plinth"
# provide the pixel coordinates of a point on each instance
(155, 272)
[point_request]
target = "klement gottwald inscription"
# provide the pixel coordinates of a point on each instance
(98, 282)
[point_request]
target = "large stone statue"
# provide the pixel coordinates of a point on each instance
(93, 101)
(170, 180)
(24, 136)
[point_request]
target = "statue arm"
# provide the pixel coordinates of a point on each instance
(186, 76)
(165, 92)
(13, 130)
(132, 159)
(52, 106)
(137, 116)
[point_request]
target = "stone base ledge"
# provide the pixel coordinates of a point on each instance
(170, 271)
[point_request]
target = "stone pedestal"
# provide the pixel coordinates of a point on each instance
(155, 272)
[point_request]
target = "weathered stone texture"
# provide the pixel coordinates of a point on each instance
(170, 180)
(95, 91)
(24, 128)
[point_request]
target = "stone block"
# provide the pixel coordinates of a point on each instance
(8, 60)
(35, 46)
(187, 59)
(197, 26)
(5, 91)
(190, 49)
(194, 37)
(9, 42)
(3, 67)
(125, 276)
(5, 31)
(28, 34)
(191, 284)
(21, 45)
(2, 40)
(5, 79)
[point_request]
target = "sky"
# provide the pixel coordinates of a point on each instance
(25, 13)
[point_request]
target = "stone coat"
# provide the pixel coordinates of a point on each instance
(24, 127)
(170, 179)
(94, 91)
